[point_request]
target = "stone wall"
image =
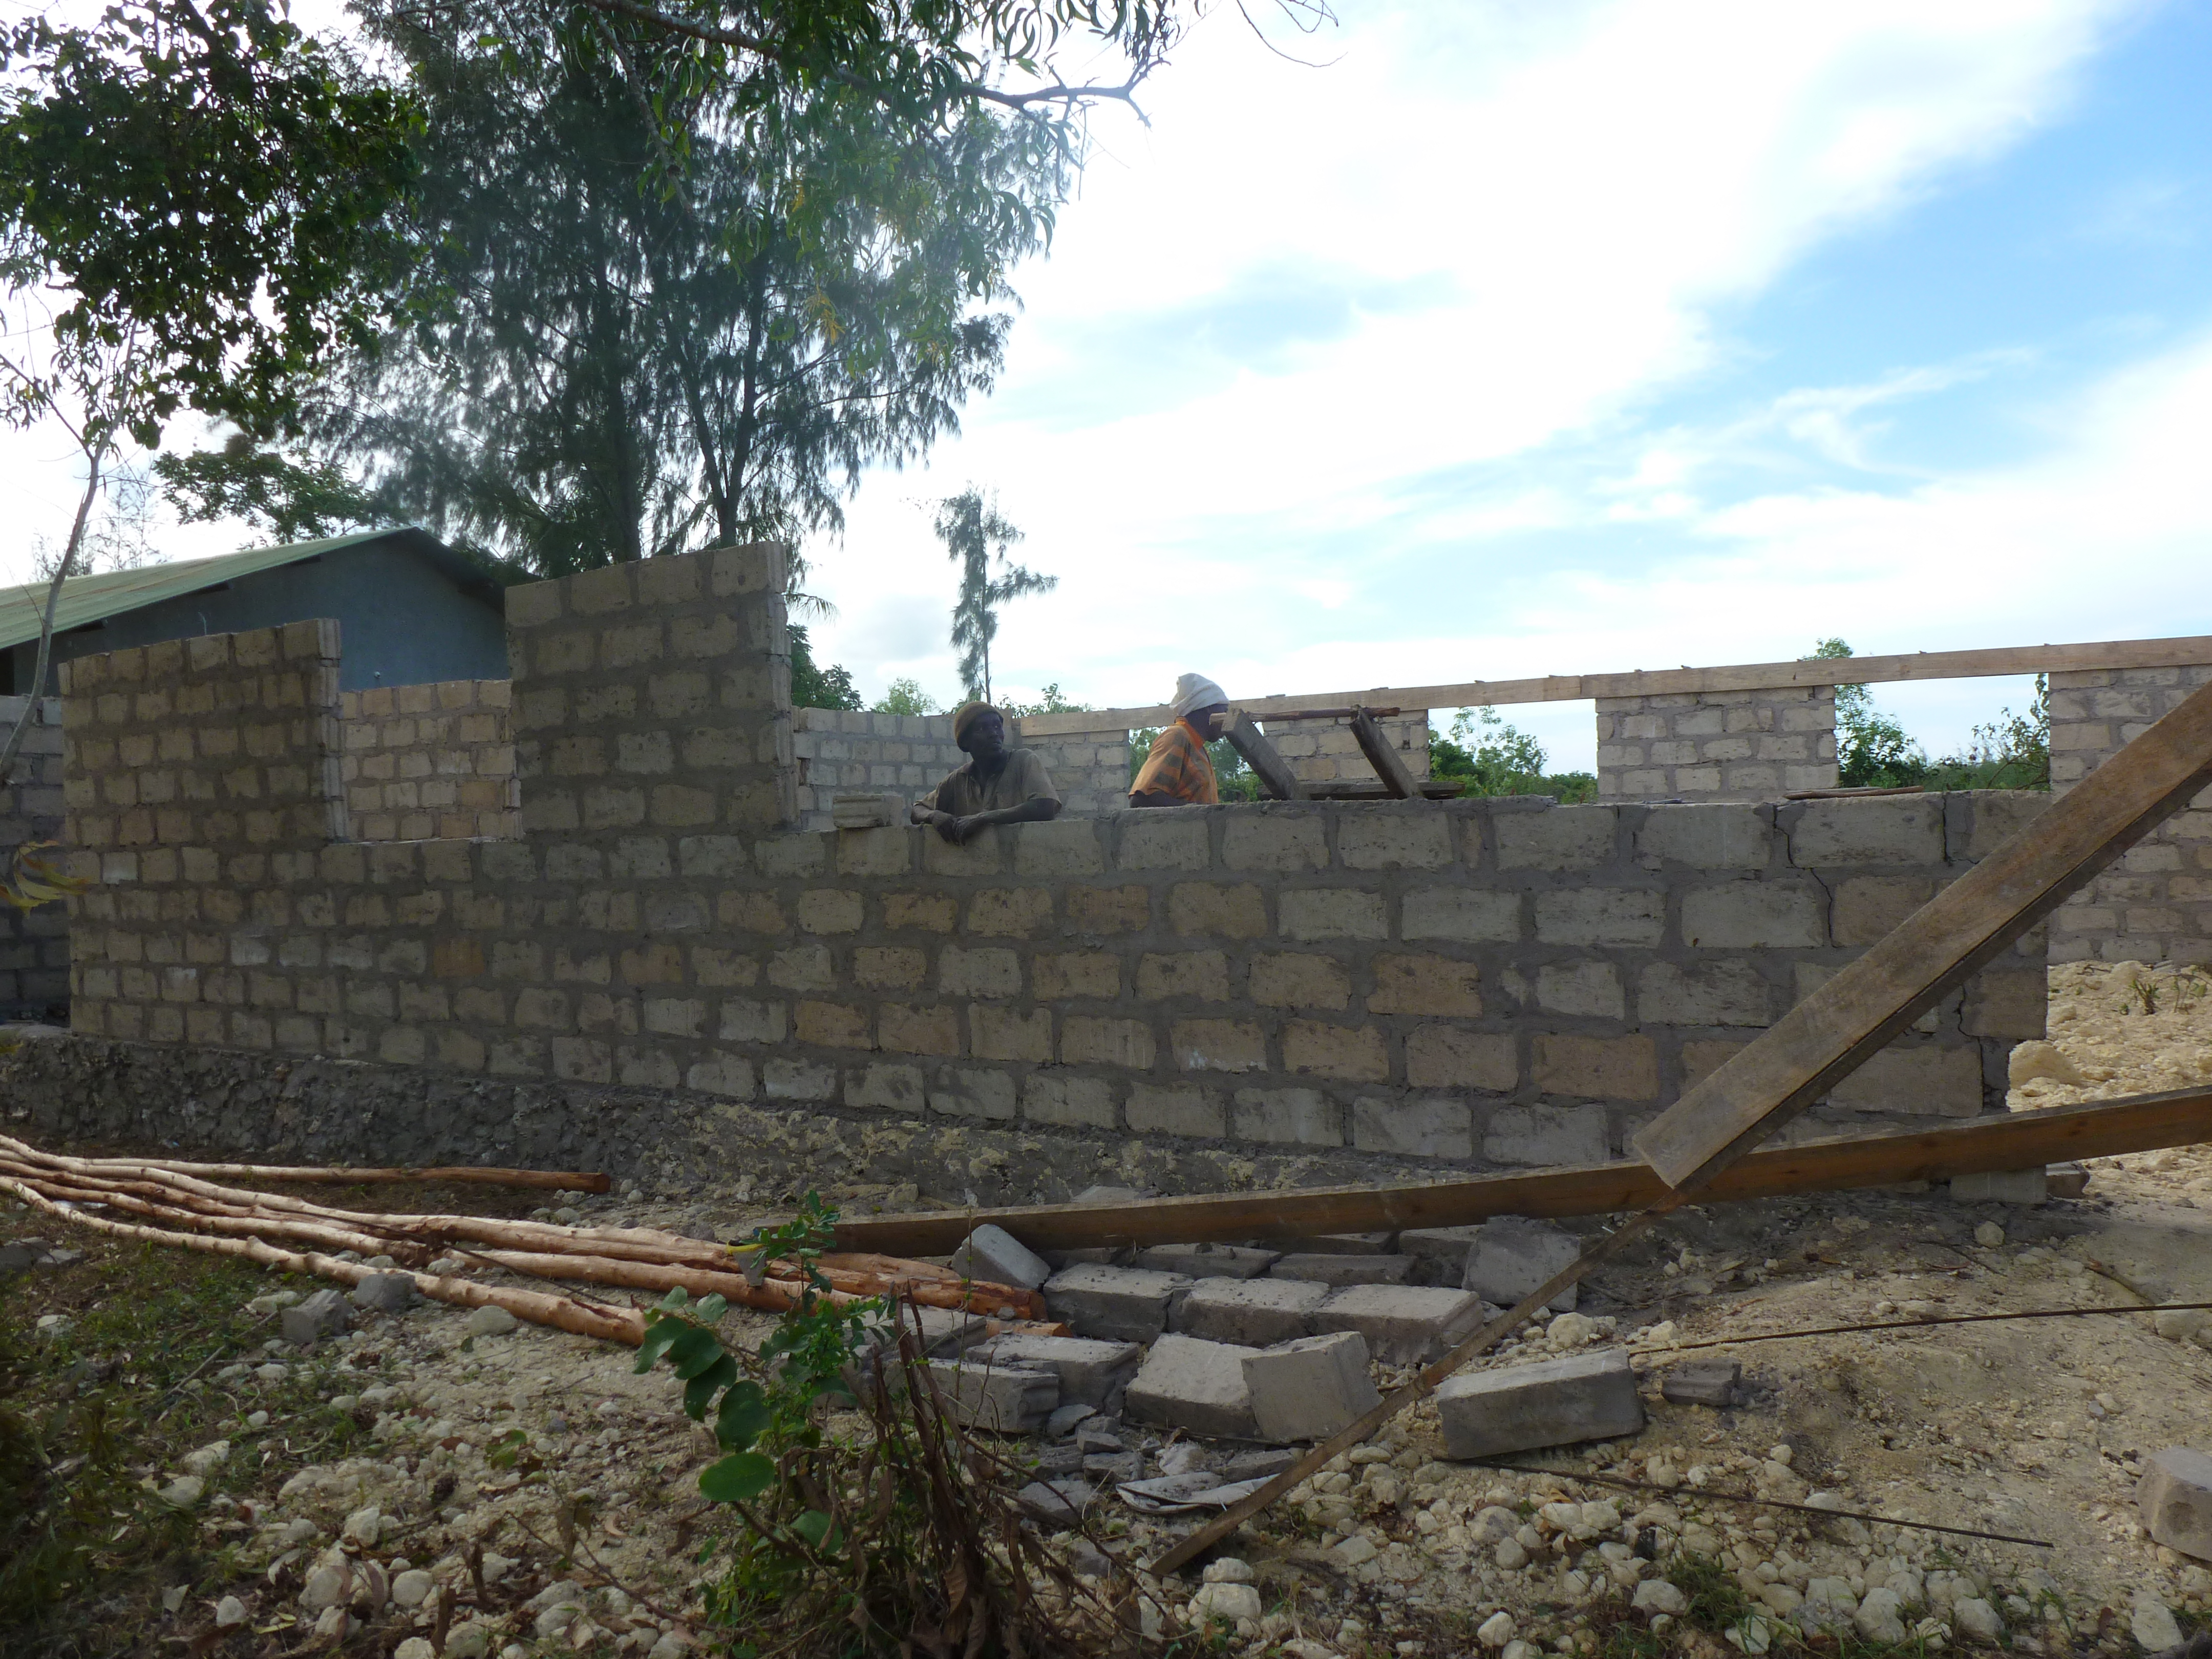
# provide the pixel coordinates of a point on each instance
(425, 762)
(1091, 769)
(838, 750)
(1495, 979)
(1717, 745)
(34, 950)
(2155, 904)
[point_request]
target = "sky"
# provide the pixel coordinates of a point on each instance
(1523, 338)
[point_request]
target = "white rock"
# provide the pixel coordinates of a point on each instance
(1755, 1635)
(2031, 1061)
(673, 1646)
(1517, 1648)
(1226, 1600)
(1570, 1330)
(415, 1647)
(1496, 1631)
(184, 1492)
(363, 1526)
(1657, 1596)
(1228, 1570)
(333, 1625)
(1356, 1551)
(230, 1613)
(1510, 1554)
(1974, 1616)
(55, 1326)
(1493, 1523)
(491, 1322)
(1780, 1599)
(2153, 1624)
(208, 1457)
(326, 1587)
(1989, 1235)
(2179, 1324)
(555, 1619)
(275, 1302)
(1877, 1616)
(467, 1642)
(1836, 1592)
(412, 1588)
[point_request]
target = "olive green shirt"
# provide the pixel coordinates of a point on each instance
(1023, 778)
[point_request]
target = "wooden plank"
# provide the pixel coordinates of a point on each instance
(1831, 1032)
(2018, 1140)
(1668, 682)
(1262, 757)
(1388, 764)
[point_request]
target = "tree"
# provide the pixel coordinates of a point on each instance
(1873, 751)
(976, 536)
(816, 687)
(1496, 758)
(196, 203)
(622, 348)
(904, 696)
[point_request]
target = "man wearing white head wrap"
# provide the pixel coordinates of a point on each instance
(1178, 772)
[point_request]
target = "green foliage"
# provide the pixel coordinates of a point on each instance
(976, 536)
(893, 1536)
(1498, 759)
(905, 697)
(212, 190)
(1232, 779)
(816, 687)
(292, 501)
(1050, 702)
(1872, 750)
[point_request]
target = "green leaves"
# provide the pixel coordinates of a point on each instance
(744, 1416)
(738, 1478)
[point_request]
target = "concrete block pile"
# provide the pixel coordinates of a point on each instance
(1278, 1343)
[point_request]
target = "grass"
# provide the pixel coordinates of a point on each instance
(85, 1549)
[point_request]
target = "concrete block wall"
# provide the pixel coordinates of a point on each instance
(1717, 745)
(1091, 769)
(839, 750)
(1325, 751)
(2155, 903)
(1489, 980)
(436, 762)
(34, 943)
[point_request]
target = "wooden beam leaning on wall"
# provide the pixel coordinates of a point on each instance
(2019, 1141)
(1274, 772)
(1853, 1016)
(1386, 761)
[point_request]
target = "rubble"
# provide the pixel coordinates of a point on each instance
(999, 1399)
(1368, 1269)
(1125, 1304)
(1702, 1383)
(1193, 1385)
(2002, 1186)
(1310, 1388)
(1090, 1372)
(1203, 1261)
(1253, 1313)
(996, 1257)
(319, 1316)
(1512, 1255)
(1404, 1324)
(2175, 1500)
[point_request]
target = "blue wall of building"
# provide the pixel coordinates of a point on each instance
(402, 619)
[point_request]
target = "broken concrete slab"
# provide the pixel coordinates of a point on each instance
(1310, 1388)
(1345, 1269)
(1439, 1253)
(2174, 1498)
(997, 1257)
(322, 1314)
(1253, 1313)
(1193, 1385)
(1057, 1503)
(1091, 1372)
(1512, 1255)
(1206, 1261)
(2002, 1186)
(998, 1399)
(1124, 1305)
(1404, 1324)
(2065, 1180)
(1702, 1383)
(1554, 1402)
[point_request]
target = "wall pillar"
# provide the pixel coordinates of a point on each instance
(1717, 745)
(34, 943)
(2155, 903)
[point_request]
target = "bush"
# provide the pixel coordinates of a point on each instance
(1873, 751)
(1498, 759)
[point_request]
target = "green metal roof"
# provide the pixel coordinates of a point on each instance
(95, 598)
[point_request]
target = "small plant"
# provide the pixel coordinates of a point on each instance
(896, 1534)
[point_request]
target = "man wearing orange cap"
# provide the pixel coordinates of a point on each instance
(999, 785)
(1178, 772)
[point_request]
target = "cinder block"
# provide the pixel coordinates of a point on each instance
(1124, 1305)
(1344, 1269)
(1413, 1128)
(1090, 1372)
(1546, 1135)
(1882, 830)
(1555, 1402)
(1465, 915)
(1702, 1383)
(1253, 1313)
(1193, 1385)
(2174, 1498)
(998, 1399)
(1304, 1117)
(2002, 1186)
(1597, 1068)
(1564, 838)
(1600, 915)
(1310, 1388)
(1404, 1324)
(1512, 1255)
(993, 1254)
(1439, 1253)
(1923, 1078)
(1709, 992)
(1748, 915)
(1203, 1261)
(1706, 836)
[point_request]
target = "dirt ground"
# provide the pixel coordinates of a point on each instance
(548, 1492)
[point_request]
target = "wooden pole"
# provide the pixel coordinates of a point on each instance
(1389, 765)
(1274, 772)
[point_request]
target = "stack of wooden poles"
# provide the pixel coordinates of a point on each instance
(178, 1204)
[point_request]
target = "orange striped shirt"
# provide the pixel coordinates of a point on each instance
(1178, 765)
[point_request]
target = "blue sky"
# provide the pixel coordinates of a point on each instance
(1601, 337)
(1585, 335)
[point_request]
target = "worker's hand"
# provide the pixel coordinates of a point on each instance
(961, 831)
